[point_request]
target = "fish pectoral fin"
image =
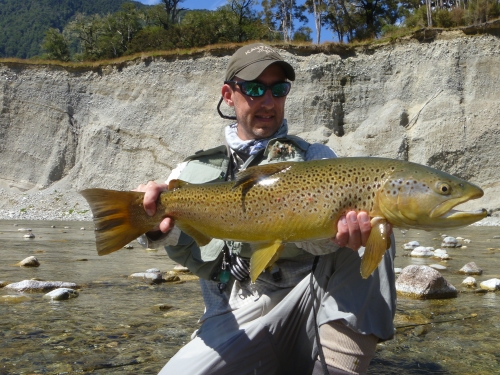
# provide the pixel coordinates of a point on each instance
(176, 184)
(263, 257)
(200, 238)
(252, 175)
(378, 242)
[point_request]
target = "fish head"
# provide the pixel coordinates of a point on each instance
(416, 196)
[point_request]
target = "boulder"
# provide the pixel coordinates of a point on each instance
(35, 286)
(491, 284)
(422, 252)
(29, 262)
(471, 268)
(61, 294)
(423, 282)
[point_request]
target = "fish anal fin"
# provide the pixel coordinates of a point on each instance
(263, 257)
(200, 238)
(176, 184)
(378, 242)
(252, 175)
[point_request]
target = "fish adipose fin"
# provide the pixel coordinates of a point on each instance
(119, 218)
(378, 242)
(263, 257)
(253, 175)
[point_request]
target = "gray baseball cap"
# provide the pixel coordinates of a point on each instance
(251, 60)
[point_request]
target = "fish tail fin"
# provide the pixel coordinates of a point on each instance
(119, 217)
(264, 256)
(378, 242)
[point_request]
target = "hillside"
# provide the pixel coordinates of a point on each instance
(23, 23)
(432, 100)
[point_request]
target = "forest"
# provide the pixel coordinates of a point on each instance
(71, 30)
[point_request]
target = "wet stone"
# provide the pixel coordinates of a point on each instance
(438, 267)
(422, 252)
(29, 235)
(15, 298)
(154, 277)
(441, 254)
(29, 262)
(180, 268)
(491, 284)
(469, 282)
(61, 294)
(24, 230)
(450, 242)
(423, 282)
(411, 245)
(35, 286)
(471, 268)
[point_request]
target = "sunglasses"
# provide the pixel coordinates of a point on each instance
(256, 89)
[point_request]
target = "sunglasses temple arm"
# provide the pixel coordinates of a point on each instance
(223, 115)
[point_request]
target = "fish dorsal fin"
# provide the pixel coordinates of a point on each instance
(252, 175)
(263, 257)
(176, 184)
(378, 242)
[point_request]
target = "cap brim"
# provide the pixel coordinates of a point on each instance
(254, 70)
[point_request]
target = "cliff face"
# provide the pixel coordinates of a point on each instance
(435, 103)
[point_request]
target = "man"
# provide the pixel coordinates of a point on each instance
(271, 326)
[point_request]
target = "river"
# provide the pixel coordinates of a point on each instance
(121, 326)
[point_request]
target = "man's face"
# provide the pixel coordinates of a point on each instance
(257, 117)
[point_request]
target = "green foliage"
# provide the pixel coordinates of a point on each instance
(303, 34)
(23, 23)
(55, 45)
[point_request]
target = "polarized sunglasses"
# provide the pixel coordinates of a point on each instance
(257, 89)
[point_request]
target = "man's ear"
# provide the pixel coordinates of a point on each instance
(227, 94)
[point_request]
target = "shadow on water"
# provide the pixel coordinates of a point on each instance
(121, 326)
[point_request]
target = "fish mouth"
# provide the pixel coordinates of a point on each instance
(465, 215)
(445, 209)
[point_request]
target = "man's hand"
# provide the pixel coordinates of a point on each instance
(152, 191)
(353, 230)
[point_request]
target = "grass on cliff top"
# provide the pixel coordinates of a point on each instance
(301, 48)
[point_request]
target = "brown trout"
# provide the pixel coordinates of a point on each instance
(273, 204)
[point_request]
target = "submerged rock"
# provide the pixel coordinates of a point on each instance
(469, 282)
(422, 252)
(471, 268)
(491, 284)
(35, 286)
(423, 282)
(411, 245)
(61, 294)
(29, 262)
(15, 298)
(450, 242)
(155, 277)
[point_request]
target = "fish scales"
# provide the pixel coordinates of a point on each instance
(273, 204)
(303, 199)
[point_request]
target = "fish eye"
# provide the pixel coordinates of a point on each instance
(443, 188)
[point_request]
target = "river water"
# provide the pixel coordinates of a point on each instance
(122, 326)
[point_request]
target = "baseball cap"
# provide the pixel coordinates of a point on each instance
(249, 61)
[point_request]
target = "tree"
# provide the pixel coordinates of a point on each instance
(56, 45)
(172, 11)
(242, 9)
(279, 15)
(318, 9)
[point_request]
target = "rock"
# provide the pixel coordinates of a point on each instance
(172, 278)
(35, 286)
(471, 268)
(450, 242)
(61, 294)
(154, 277)
(24, 230)
(469, 282)
(423, 282)
(29, 235)
(153, 270)
(422, 252)
(496, 237)
(411, 245)
(128, 246)
(3, 283)
(441, 254)
(180, 268)
(82, 228)
(397, 270)
(29, 262)
(438, 267)
(491, 284)
(162, 307)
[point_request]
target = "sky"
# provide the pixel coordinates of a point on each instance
(326, 35)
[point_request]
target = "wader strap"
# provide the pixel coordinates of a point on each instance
(316, 329)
